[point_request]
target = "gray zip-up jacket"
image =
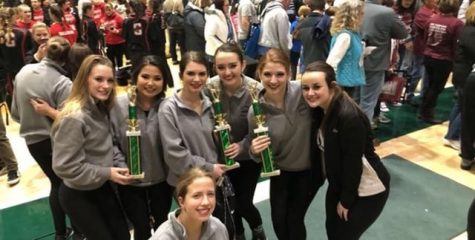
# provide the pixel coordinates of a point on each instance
(187, 137)
(153, 163)
(235, 109)
(45, 80)
(213, 229)
(82, 148)
(289, 129)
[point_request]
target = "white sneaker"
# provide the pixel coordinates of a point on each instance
(397, 104)
(455, 144)
(383, 107)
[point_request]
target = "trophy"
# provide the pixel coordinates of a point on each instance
(268, 166)
(222, 128)
(133, 136)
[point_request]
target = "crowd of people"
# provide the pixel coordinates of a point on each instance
(58, 63)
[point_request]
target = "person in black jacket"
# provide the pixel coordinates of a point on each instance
(316, 45)
(358, 183)
(135, 31)
(89, 33)
(195, 25)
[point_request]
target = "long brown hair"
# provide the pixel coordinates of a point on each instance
(80, 95)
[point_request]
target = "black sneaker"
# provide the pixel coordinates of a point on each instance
(13, 178)
(258, 233)
(466, 164)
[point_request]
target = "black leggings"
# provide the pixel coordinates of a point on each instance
(291, 193)
(142, 202)
(361, 215)
(116, 54)
(438, 72)
(244, 180)
(96, 213)
(42, 153)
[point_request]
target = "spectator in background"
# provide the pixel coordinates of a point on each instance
(195, 25)
(428, 9)
(463, 65)
(275, 27)
(77, 54)
(70, 16)
(8, 162)
(39, 13)
(346, 53)
(176, 29)
(135, 31)
(303, 12)
(218, 29)
(316, 43)
(380, 25)
(247, 15)
(441, 34)
(40, 89)
(115, 42)
(406, 10)
(59, 27)
(89, 32)
(24, 17)
(40, 33)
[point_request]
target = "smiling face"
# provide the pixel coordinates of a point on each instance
(315, 90)
(194, 78)
(229, 69)
(274, 77)
(41, 35)
(100, 82)
(149, 82)
(199, 202)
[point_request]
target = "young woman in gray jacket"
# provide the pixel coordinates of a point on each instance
(83, 154)
(151, 196)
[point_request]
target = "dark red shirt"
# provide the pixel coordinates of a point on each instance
(63, 30)
(420, 21)
(98, 11)
(441, 36)
(23, 25)
(38, 15)
(113, 29)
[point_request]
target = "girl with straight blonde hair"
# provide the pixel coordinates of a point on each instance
(83, 153)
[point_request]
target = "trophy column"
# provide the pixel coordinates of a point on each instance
(133, 137)
(268, 166)
(222, 128)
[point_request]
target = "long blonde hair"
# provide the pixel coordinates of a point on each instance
(80, 95)
(348, 16)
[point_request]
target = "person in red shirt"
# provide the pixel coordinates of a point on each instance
(24, 17)
(441, 34)
(98, 11)
(115, 42)
(60, 27)
(70, 15)
(39, 14)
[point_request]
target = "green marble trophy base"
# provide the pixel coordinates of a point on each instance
(234, 166)
(268, 169)
(133, 162)
(223, 133)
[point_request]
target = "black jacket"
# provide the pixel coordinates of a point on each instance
(347, 137)
(316, 48)
(464, 56)
(194, 29)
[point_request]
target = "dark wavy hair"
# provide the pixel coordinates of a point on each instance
(160, 64)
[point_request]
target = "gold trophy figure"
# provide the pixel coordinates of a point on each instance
(133, 136)
(268, 166)
(222, 128)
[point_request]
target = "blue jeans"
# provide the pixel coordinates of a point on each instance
(367, 95)
(453, 132)
(416, 72)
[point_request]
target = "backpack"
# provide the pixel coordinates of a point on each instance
(175, 21)
(251, 47)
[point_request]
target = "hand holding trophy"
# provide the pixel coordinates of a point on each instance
(133, 136)
(222, 128)
(268, 166)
